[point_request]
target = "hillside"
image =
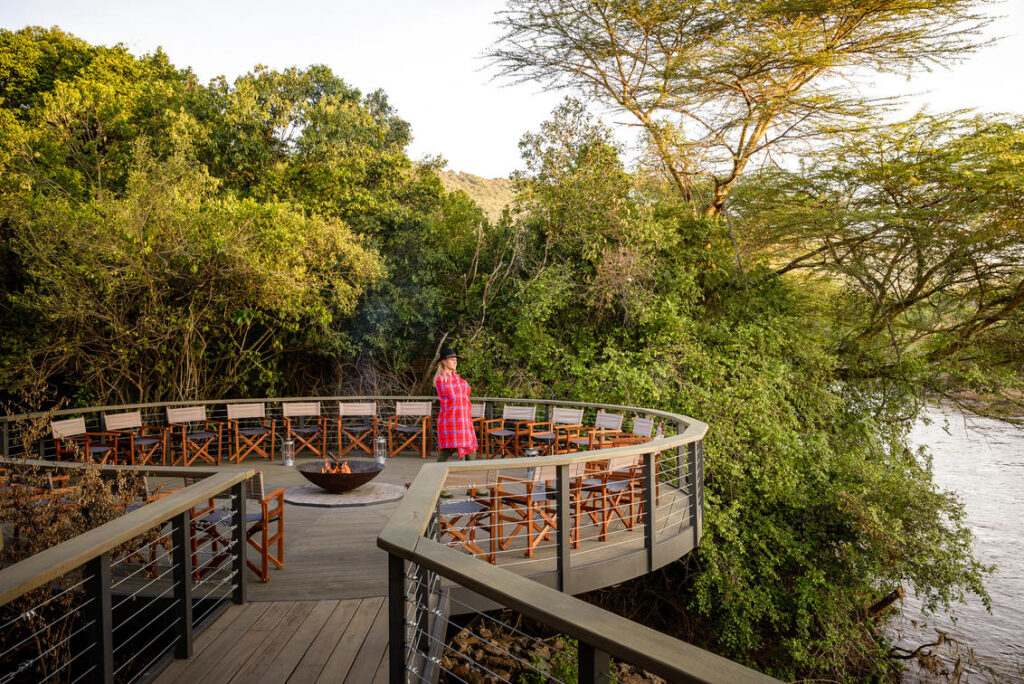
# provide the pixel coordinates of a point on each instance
(491, 194)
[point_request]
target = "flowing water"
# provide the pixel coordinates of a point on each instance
(982, 460)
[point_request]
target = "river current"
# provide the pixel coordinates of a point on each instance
(982, 460)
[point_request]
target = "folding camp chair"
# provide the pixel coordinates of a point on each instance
(139, 444)
(357, 425)
(530, 505)
(196, 435)
(304, 424)
(410, 424)
(251, 431)
(460, 521)
(548, 436)
(477, 414)
(613, 489)
(264, 525)
(606, 425)
(503, 434)
(70, 437)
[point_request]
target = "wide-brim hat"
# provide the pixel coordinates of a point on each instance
(447, 353)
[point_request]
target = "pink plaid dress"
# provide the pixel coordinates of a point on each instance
(454, 424)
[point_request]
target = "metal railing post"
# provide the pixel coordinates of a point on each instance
(650, 503)
(696, 466)
(396, 619)
(99, 613)
(182, 576)
(5, 440)
(240, 593)
(594, 665)
(563, 531)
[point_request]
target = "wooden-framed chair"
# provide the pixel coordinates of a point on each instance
(459, 522)
(304, 424)
(529, 504)
(139, 444)
(70, 437)
(477, 415)
(250, 431)
(548, 436)
(606, 426)
(264, 525)
(357, 427)
(606, 492)
(503, 435)
(643, 431)
(195, 434)
(409, 425)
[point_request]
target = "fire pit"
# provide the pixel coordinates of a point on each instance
(338, 482)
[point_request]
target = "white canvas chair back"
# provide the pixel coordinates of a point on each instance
(547, 473)
(413, 408)
(296, 409)
(248, 410)
(519, 412)
(623, 462)
(188, 414)
(367, 408)
(69, 427)
(567, 416)
(477, 410)
(130, 420)
(642, 427)
(608, 421)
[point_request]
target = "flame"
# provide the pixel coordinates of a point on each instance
(340, 468)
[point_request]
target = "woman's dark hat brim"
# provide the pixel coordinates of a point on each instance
(447, 353)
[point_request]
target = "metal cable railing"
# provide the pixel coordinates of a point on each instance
(116, 601)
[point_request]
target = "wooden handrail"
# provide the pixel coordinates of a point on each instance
(37, 570)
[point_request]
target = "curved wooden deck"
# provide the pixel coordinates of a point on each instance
(323, 617)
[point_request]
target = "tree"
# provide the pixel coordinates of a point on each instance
(920, 226)
(716, 85)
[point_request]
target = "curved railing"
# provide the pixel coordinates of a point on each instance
(433, 575)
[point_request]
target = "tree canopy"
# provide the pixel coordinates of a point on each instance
(715, 85)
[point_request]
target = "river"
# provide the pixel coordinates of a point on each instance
(982, 460)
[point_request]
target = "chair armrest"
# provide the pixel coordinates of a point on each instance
(276, 494)
(491, 422)
(543, 426)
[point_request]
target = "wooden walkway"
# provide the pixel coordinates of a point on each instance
(290, 641)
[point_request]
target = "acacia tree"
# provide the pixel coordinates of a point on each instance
(716, 85)
(919, 223)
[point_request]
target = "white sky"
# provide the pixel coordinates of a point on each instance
(425, 54)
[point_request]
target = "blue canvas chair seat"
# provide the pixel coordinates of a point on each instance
(252, 432)
(461, 521)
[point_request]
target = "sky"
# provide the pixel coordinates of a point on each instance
(426, 55)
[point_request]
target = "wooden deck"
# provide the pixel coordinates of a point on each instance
(323, 617)
(290, 641)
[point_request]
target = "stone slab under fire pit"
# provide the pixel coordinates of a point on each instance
(366, 495)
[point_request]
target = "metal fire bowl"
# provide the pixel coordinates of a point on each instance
(362, 472)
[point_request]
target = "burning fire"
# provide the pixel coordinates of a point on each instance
(341, 467)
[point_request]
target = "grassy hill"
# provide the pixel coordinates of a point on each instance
(491, 194)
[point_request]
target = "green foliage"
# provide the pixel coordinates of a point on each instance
(715, 85)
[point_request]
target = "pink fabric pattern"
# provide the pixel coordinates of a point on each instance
(454, 424)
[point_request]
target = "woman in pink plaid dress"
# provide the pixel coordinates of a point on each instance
(455, 434)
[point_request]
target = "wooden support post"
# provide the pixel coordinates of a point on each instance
(182, 576)
(396, 619)
(240, 594)
(563, 521)
(594, 665)
(99, 613)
